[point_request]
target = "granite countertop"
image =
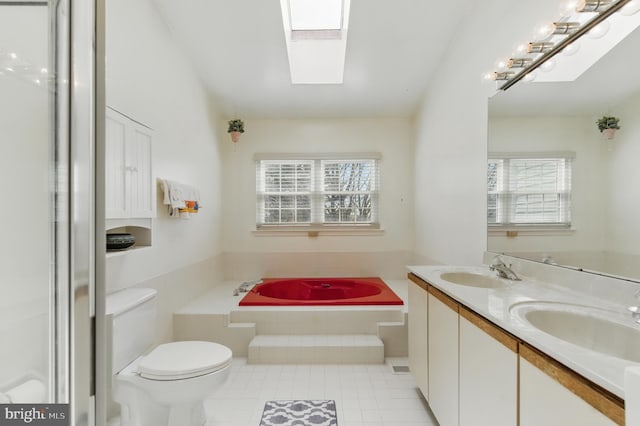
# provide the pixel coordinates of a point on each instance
(495, 304)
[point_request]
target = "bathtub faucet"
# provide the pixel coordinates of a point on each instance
(635, 310)
(244, 287)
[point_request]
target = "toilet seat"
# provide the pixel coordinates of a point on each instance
(184, 360)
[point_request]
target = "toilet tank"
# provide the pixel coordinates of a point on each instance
(133, 317)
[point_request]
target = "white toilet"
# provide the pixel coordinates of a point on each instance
(167, 386)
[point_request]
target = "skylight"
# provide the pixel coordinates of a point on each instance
(315, 14)
(316, 37)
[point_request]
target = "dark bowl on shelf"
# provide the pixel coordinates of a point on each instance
(120, 241)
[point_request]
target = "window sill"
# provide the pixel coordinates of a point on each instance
(312, 232)
(528, 230)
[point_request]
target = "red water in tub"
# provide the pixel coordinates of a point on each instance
(320, 291)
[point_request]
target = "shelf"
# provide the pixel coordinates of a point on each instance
(130, 250)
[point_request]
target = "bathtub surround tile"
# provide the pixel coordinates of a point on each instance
(215, 316)
(175, 288)
(363, 394)
(245, 266)
(316, 349)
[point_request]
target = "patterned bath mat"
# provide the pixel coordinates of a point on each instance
(299, 413)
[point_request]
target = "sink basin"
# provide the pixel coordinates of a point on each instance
(599, 330)
(471, 279)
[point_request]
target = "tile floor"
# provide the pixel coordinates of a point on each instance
(365, 395)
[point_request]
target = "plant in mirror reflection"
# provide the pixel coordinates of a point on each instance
(607, 122)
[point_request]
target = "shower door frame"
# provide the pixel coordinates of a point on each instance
(77, 338)
(76, 354)
(78, 107)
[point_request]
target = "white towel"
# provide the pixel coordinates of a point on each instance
(180, 198)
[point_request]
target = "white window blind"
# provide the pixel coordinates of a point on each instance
(319, 191)
(529, 190)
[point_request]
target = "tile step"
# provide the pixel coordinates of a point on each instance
(316, 349)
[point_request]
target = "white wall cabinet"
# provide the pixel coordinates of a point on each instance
(130, 189)
(418, 338)
(550, 395)
(443, 357)
(488, 373)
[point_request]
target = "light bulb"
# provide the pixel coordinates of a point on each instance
(488, 76)
(501, 64)
(548, 65)
(520, 49)
(530, 76)
(571, 49)
(543, 32)
(599, 30)
(630, 8)
(568, 7)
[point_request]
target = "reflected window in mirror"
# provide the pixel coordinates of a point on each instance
(529, 190)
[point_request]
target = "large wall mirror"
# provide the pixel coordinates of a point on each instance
(541, 118)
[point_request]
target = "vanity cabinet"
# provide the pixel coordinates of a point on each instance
(418, 338)
(443, 357)
(552, 395)
(129, 187)
(478, 374)
(488, 373)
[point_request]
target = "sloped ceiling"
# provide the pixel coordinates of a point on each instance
(238, 49)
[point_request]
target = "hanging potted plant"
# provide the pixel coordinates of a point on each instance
(236, 128)
(608, 126)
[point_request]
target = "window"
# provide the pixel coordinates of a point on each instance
(319, 191)
(529, 190)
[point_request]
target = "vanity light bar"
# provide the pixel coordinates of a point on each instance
(582, 30)
(519, 62)
(592, 5)
(564, 28)
(502, 75)
(539, 47)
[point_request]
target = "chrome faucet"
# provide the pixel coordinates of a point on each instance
(548, 259)
(635, 310)
(244, 287)
(503, 270)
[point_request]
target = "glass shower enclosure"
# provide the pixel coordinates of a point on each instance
(48, 267)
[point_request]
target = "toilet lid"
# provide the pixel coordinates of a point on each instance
(182, 360)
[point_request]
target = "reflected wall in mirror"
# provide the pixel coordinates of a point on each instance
(604, 236)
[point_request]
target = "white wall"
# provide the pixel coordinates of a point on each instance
(450, 156)
(27, 214)
(149, 79)
(559, 133)
(392, 137)
(624, 176)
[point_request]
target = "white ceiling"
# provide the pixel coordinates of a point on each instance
(238, 49)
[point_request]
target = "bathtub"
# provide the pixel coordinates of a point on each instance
(320, 292)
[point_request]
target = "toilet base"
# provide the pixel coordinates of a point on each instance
(179, 413)
(147, 402)
(158, 415)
